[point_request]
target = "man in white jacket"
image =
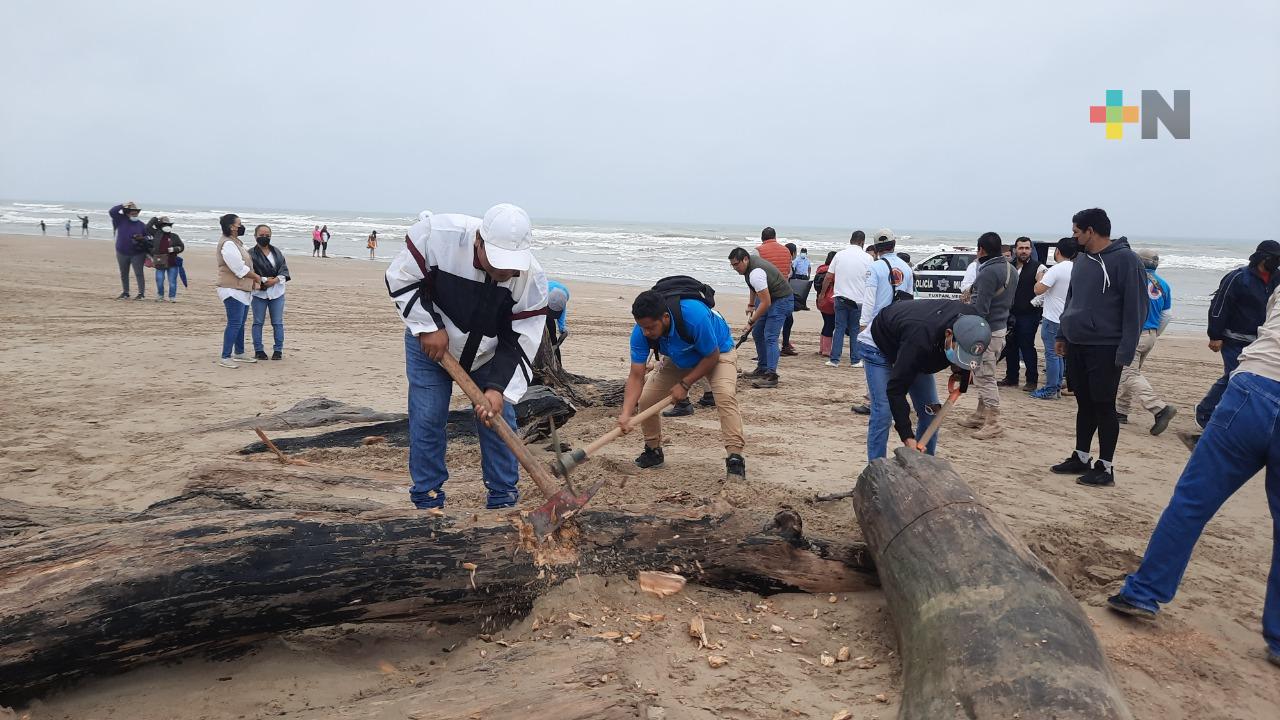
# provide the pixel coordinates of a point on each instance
(470, 287)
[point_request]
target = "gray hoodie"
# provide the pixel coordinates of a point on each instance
(1106, 301)
(993, 291)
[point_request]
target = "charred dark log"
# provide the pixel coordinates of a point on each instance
(984, 629)
(311, 412)
(104, 597)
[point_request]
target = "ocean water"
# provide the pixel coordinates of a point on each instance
(631, 253)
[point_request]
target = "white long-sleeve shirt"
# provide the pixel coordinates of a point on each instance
(448, 291)
(276, 290)
(231, 256)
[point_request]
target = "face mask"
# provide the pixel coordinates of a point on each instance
(167, 228)
(952, 357)
(240, 231)
(264, 241)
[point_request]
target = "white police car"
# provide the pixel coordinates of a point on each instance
(940, 274)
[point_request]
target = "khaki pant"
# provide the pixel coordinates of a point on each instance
(723, 381)
(1133, 382)
(984, 378)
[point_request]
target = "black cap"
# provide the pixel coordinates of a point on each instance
(1266, 249)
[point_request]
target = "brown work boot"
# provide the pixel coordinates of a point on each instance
(974, 420)
(991, 426)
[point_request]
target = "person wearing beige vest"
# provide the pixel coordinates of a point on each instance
(236, 280)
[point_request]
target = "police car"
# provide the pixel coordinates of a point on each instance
(940, 275)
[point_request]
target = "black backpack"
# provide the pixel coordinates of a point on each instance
(675, 288)
(897, 294)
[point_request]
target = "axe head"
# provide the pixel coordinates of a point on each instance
(562, 506)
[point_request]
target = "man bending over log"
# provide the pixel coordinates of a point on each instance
(471, 288)
(913, 340)
(676, 322)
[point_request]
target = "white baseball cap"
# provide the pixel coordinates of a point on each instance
(508, 235)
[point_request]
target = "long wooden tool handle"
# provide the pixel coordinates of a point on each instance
(541, 476)
(616, 433)
(937, 420)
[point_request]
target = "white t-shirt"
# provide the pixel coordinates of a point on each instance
(758, 280)
(970, 275)
(850, 267)
(1058, 280)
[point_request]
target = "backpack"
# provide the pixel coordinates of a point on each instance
(675, 288)
(895, 280)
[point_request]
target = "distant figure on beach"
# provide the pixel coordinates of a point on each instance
(1132, 381)
(787, 348)
(270, 263)
(1024, 317)
(168, 246)
(236, 280)
(992, 294)
(1237, 309)
(847, 273)
(324, 241)
(372, 243)
(1053, 286)
(42, 228)
(68, 226)
(826, 302)
(1098, 336)
(769, 305)
(131, 250)
(84, 225)
(315, 242)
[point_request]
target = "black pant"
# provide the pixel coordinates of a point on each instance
(828, 324)
(1095, 379)
(786, 329)
(1022, 344)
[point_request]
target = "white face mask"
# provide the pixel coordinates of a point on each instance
(167, 228)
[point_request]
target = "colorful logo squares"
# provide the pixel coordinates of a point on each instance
(1114, 114)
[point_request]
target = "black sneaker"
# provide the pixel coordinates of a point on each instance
(260, 355)
(139, 296)
(651, 458)
(736, 466)
(123, 296)
(1099, 476)
(680, 409)
(707, 399)
(1071, 466)
(1163, 418)
(1119, 604)
(766, 381)
(862, 409)
(1122, 418)
(1007, 382)
(757, 373)
(277, 355)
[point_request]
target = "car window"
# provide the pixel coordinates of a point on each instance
(938, 262)
(961, 261)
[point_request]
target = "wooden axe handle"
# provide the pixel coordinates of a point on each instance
(541, 476)
(616, 433)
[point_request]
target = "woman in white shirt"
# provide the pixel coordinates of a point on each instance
(268, 262)
(236, 279)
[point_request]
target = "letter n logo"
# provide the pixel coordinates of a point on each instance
(1176, 119)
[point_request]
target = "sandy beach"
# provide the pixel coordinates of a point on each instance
(107, 405)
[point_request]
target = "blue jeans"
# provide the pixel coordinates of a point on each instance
(766, 332)
(848, 315)
(172, 274)
(1052, 363)
(261, 306)
(1241, 438)
(922, 392)
(429, 390)
(1230, 361)
(233, 335)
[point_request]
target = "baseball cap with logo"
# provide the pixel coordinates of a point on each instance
(972, 335)
(508, 235)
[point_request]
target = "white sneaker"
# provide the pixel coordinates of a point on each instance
(226, 363)
(857, 364)
(244, 358)
(831, 363)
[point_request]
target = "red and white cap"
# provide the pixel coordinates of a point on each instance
(508, 237)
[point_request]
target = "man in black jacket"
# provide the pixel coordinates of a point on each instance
(1098, 334)
(1026, 317)
(919, 338)
(1238, 308)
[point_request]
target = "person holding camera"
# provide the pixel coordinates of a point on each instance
(131, 247)
(236, 279)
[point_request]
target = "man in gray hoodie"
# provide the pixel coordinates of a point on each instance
(1098, 334)
(992, 294)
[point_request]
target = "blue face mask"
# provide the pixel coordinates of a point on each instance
(953, 357)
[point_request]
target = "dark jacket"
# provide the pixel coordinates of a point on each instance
(265, 269)
(1107, 301)
(126, 230)
(1238, 307)
(911, 335)
(993, 291)
(167, 246)
(1026, 289)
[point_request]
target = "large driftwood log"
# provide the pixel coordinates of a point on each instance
(311, 412)
(984, 629)
(103, 597)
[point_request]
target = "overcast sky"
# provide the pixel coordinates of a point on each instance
(936, 115)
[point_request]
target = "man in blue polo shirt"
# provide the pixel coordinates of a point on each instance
(694, 345)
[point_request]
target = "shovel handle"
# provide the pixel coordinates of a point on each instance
(541, 477)
(953, 394)
(616, 433)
